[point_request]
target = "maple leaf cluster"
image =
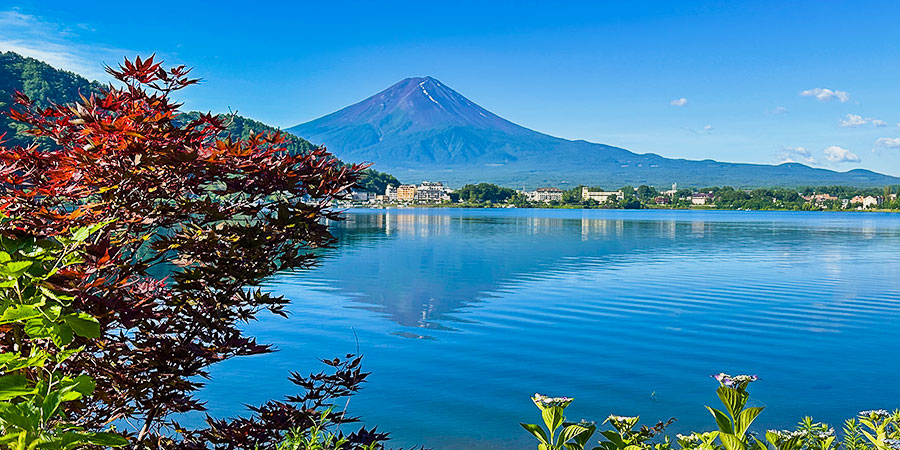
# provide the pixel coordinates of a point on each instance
(192, 221)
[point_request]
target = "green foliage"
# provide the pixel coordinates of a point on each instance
(46, 331)
(483, 193)
(374, 181)
(559, 434)
(871, 430)
(38, 81)
(319, 437)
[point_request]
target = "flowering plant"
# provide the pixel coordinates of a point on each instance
(572, 436)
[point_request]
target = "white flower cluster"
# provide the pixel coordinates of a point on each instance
(877, 413)
(803, 434)
(692, 438)
(543, 401)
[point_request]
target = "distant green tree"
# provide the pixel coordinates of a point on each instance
(484, 192)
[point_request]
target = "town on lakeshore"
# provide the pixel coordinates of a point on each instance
(436, 194)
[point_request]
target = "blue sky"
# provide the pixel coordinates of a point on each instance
(812, 82)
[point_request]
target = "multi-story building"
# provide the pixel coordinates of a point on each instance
(432, 192)
(544, 194)
(406, 192)
(390, 194)
(600, 196)
(867, 201)
(702, 198)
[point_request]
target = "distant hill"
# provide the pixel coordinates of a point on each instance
(420, 129)
(46, 84)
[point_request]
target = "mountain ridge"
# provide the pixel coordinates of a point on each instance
(420, 128)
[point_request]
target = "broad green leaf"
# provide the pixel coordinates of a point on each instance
(536, 431)
(14, 269)
(105, 439)
(723, 422)
(61, 335)
(84, 325)
(553, 417)
(745, 418)
(733, 399)
(84, 384)
(81, 234)
(731, 442)
(4, 257)
(50, 405)
(19, 313)
(12, 386)
(571, 431)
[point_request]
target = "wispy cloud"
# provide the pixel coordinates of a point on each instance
(837, 154)
(888, 142)
(855, 120)
(777, 111)
(824, 94)
(796, 155)
(60, 46)
(679, 102)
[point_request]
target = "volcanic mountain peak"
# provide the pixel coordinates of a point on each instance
(419, 128)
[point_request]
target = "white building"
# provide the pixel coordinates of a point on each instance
(544, 194)
(600, 196)
(390, 193)
(702, 198)
(867, 201)
(432, 192)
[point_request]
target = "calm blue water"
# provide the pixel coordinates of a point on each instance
(463, 314)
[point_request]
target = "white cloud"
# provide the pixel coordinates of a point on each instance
(837, 154)
(888, 142)
(679, 102)
(708, 127)
(855, 120)
(824, 95)
(778, 110)
(796, 155)
(58, 45)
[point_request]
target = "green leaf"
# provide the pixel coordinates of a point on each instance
(733, 399)
(84, 384)
(723, 422)
(12, 386)
(50, 405)
(61, 335)
(19, 313)
(15, 269)
(571, 431)
(4, 257)
(745, 418)
(536, 431)
(731, 442)
(105, 439)
(553, 417)
(84, 325)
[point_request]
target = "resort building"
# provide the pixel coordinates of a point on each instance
(544, 194)
(867, 201)
(406, 193)
(663, 200)
(390, 194)
(600, 196)
(431, 192)
(702, 198)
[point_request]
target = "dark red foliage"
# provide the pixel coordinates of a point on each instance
(218, 215)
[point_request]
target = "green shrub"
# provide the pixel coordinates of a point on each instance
(871, 430)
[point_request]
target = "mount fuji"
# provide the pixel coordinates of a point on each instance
(421, 129)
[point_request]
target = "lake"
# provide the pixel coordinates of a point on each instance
(463, 314)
